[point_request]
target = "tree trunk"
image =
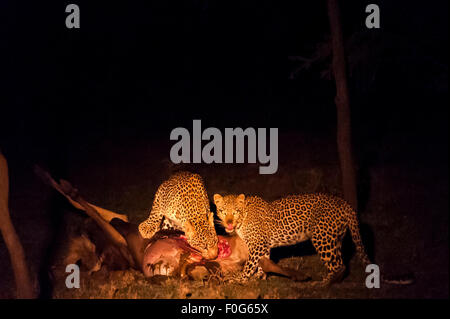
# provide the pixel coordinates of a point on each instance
(342, 101)
(24, 284)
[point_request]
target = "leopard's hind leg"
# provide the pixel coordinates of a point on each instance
(329, 247)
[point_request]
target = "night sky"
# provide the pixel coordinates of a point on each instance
(143, 68)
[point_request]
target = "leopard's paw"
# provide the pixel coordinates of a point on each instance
(260, 274)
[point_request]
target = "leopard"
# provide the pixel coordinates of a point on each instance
(321, 218)
(181, 202)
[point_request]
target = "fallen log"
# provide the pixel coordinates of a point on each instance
(107, 215)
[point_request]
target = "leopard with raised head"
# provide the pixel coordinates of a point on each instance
(182, 202)
(324, 219)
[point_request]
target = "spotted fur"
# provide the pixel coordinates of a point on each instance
(181, 202)
(323, 219)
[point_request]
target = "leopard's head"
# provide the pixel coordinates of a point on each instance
(201, 235)
(230, 210)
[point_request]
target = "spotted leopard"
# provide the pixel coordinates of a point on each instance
(182, 202)
(322, 218)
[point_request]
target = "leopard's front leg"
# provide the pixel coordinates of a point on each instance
(256, 252)
(150, 226)
(260, 274)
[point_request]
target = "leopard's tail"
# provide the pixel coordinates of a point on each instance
(353, 226)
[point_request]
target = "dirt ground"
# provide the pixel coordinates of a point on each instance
(403, 212)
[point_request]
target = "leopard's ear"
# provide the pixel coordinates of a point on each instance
(188, 229)
(218, 200)
(240, 199)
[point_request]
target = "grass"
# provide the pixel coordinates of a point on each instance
(132, 284)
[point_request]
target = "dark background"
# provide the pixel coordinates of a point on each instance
(136, 70)
(143, 68)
